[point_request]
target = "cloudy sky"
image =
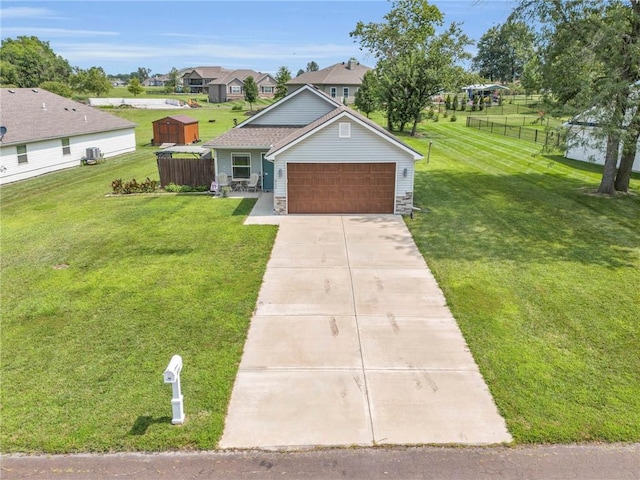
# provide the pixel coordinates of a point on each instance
(122, 35)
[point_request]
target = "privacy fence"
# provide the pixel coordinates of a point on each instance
(194, 172)
(549, 138)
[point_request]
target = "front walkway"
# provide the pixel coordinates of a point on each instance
(351, 343)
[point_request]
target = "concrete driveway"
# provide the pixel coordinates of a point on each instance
(352, 343)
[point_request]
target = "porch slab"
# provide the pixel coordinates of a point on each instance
(314, 407)
(426, 406)
(413, 343)
(276, 342)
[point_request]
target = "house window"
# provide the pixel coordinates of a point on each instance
(344, 130)
(241, 165)
(267, 89)
(345, 92)
(22, 154)
(66, 148)
(334, 92)
(235, 89)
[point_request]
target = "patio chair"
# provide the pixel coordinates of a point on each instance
(221, 182)
(254, 179)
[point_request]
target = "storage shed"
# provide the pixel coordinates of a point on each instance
(175, 129)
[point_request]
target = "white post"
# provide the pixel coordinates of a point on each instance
(172, 375)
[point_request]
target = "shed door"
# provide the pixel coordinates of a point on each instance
(169, 132)
(341, 187)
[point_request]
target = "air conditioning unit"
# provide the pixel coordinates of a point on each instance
(93, 153)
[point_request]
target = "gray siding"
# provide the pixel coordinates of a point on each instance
(223, 160)
(362, 146)
(302, 109)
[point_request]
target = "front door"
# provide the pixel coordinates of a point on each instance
(267, 174)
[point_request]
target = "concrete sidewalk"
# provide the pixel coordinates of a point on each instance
(352, 344)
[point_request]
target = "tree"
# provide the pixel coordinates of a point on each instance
(503, 51)
(414, 61)
(135, 87)
(312, 66)
(300, 72)
(367, 95)
(250, 91)
(591, 62)
(32, 61)
(282, 77)
(58, 88)
(173, 79)
(8, 74)
(93, 80)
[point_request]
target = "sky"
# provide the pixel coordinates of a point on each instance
(122, 35)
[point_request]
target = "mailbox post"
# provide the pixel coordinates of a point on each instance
(172, 376)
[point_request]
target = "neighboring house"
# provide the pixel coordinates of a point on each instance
(156, 81)
(318, 156)
(46, 132)
(340, 81)
(223, 85)
(583, 145)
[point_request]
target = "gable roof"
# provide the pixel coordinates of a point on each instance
(34, 114)
(185, 119)
(207, 72)
(339, 113)
(340, 74)
(305, 88)
(254, 137)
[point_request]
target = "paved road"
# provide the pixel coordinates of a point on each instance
(610, 462)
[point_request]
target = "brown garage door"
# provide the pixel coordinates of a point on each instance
(341, 187)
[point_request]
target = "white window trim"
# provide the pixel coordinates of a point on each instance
(66, 149)
(344, 130)
(333, 92)
(345, 92)
(232, 87)
(22, 157)
(240, 154)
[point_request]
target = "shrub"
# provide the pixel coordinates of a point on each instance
(237, 107)
(445, 114)
(173, 188)
(455, 103)
(453, 118)
(133, 186)
(447, 102)
(435, 117)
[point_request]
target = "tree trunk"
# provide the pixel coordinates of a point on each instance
(607, 185)
(415, 127)
(623, 177)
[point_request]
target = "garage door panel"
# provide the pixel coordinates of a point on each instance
(341, 187)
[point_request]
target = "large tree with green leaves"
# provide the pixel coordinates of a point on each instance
(135, 87)
(282, 77)
(92, 80)
(173, 79)
(503, 51)
(250, 91)
(414, 61)
(27, 62)
(591, 63)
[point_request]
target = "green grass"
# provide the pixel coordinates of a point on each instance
(543, 278)
(84, 347)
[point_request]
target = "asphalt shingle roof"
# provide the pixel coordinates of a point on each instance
(338, 74)
(263, 137)
(34, 114)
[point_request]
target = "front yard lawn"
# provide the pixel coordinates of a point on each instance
(543, 278)
(99, 292)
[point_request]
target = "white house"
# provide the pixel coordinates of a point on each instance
(41, 132)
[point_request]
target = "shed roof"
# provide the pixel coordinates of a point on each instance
(179, 118)
(31, 115)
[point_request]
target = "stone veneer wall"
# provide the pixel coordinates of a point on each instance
(404, 204)
(280, 205)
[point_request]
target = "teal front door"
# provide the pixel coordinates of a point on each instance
(267, 174)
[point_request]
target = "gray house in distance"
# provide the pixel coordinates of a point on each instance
(224, 85)
(340, 81)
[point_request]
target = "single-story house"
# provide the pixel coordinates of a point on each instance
(223, 85)
(43, 132)
(176, 129)
(340, 81)
(484, 90)
(319, 156)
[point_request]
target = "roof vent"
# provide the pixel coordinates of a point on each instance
(44, 106)
(12, 91)
(34, 90)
